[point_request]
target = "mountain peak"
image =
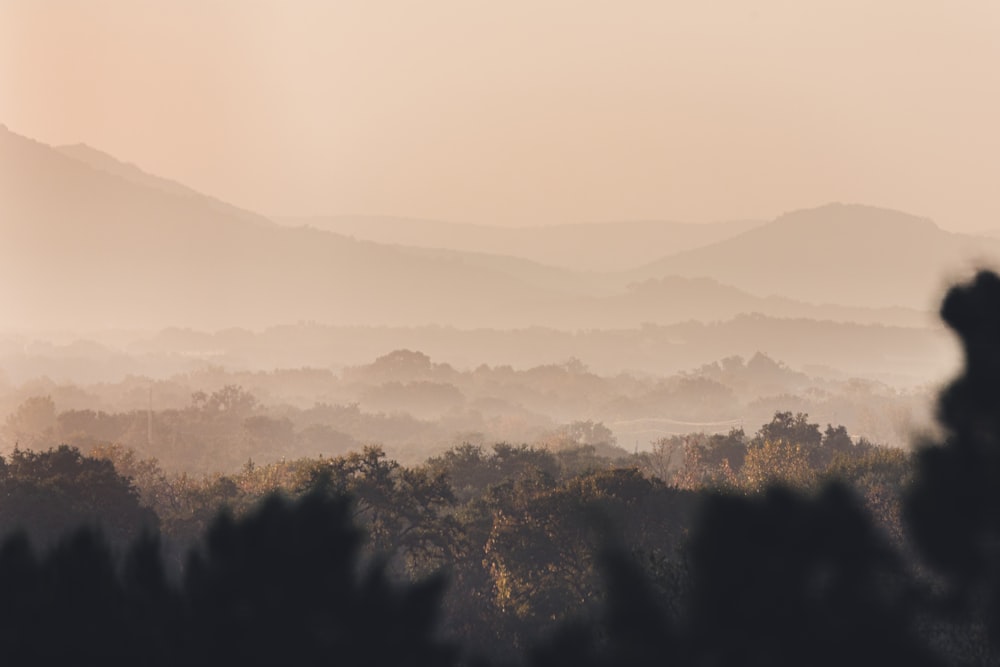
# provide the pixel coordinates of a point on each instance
(842, 217)
(847, 254)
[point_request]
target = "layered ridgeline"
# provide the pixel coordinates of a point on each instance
(89, 242)
(85, 246)
(843, 254)
(595, 246)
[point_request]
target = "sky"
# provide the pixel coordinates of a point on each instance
(526, 112)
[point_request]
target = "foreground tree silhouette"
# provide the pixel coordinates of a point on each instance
(954, 507)
(778, 578)
(282, 586)
(788, 579)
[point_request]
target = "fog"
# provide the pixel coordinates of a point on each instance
(125, 291)
(541, 333)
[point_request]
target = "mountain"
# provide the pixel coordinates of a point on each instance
(678, 299)
(844, 254)
(93, 246)
(607, 246)
(88, 242)
(130, 172)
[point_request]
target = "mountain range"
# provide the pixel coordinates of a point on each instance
(90, 242)
(595, 246)
(844, 254)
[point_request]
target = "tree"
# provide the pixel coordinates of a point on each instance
(399, 508)
(231, 399)
(52, 493)
(880, 476)
(775, 462)
(32, 423)
(821, 448)
(954, 505)
(543, 546)
(282, 586)
(785, 579)
(790, 428)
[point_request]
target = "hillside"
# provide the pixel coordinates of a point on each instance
(91, 243)
(607, 246)
(677, 299)
(130, 172)
(843, 254)
(87, 248)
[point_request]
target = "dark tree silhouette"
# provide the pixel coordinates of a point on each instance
(954, 506)
(635, 628)
(785, 579)
(777, 578)
(284, 586)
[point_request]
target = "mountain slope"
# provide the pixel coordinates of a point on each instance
(678, 299)
(105, 162)
(610, 246)
(844, 254)
(89, 242)
(83, 247)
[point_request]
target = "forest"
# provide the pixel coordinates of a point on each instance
(504, 334)
(797, 542)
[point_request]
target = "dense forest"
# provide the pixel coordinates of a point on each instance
(505, 334)
(795, 543)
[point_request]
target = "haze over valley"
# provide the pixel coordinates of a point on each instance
(150, 278)
(454, 334)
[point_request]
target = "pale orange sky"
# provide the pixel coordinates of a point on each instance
(525, 112)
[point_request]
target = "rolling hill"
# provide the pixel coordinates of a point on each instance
(89, 247)
(843, 254)
(605, 246)
(88, 242)
(104, 162)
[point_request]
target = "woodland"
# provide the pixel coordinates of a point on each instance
(795, 543)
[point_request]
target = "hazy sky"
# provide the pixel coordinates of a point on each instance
(522, 112)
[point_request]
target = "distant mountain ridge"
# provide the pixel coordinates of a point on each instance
(844, 254)
(85, 247)
(90, 242)
(593, 246)
(103, 161)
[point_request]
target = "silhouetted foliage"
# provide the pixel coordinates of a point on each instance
(954, 506)
(282, 586)
(791, 549)
(789, 580)
(635, 627)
